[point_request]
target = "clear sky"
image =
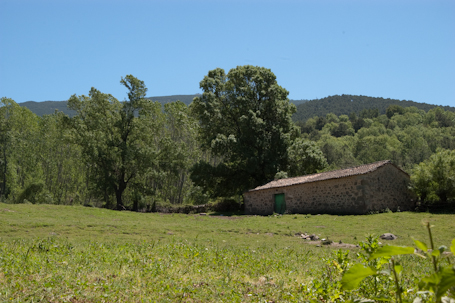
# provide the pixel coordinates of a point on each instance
(51, 49)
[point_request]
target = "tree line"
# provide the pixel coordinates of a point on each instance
(124, 155)
(236, 135)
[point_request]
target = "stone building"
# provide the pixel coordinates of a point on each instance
(356, 190)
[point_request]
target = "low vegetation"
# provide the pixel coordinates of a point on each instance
(51, 253)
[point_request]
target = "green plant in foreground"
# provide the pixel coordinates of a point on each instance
(433, 287)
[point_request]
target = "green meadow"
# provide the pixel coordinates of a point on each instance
(51, 253)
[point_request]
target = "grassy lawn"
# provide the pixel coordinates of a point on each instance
(51, 253)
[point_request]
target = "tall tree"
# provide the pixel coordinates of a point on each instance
(117, 138)
(434, 179)
(305, 157)
(19, 155)
(179, 143)
(245, 119)
(5, 139)
(60, 160)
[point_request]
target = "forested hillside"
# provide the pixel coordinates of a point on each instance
(407, 136)
(346, 104)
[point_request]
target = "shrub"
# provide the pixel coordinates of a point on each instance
(226, 205)
(35, 193)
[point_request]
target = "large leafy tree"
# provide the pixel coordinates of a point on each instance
(178, 142)
(305, 157)
(19, 161)
(118, 139)
(245, 119)
(63, 171)
(433, 180)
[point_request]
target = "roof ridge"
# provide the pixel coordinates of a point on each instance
(333, 174)
(341, 169)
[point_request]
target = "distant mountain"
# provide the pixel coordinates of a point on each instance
(346, 104)
(298, 102)
(49, 107)
(339, 105)
(187, 99)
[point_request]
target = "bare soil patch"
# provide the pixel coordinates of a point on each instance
(332, 245)
(225, 217)
(7, 210)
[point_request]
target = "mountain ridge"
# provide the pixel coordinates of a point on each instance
(337, 104)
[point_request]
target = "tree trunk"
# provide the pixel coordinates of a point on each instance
(3, 193)
(119, 193)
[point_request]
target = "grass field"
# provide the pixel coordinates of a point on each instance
(52, 253)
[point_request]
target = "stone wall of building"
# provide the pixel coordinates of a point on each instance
(386, 187)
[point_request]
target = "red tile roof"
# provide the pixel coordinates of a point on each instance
(334, 174)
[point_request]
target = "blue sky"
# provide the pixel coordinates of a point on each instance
(51, 49)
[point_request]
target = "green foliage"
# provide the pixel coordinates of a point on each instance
(117, 139)
(434, 179)
(19, 149)
(408, 137)
(179, 150)
(394, 109)
(376, 148)
(338, 151)
(343, 129)
(245, 120)
(63, 172)
(352, 277)
(34, 193)
(305, 157)
(281, 175)
(382, 276)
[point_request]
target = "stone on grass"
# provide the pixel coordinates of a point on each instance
(313, 237)
(388, 236)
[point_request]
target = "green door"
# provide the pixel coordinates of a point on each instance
(280, 204)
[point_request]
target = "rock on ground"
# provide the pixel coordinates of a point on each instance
(388, 236)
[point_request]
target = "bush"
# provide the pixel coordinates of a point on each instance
(226, 205)
(35, 193)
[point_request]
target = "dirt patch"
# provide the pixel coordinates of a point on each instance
(7, 210)
(314, 240)
(225, 217)
(332, 245)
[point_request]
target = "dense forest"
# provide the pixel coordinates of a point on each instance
(237, 135)
(407, 136)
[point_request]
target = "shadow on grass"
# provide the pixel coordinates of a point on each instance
(227, 213)
(441, 209)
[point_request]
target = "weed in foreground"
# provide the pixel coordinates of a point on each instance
(389, 273)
